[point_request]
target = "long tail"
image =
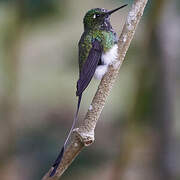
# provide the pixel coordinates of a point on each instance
(59, 158)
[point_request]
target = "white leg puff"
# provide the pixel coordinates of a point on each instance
(100, 71)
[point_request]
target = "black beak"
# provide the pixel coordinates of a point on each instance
(112, 11)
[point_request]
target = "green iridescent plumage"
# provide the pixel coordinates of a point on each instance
(96, 27)
(92, 23)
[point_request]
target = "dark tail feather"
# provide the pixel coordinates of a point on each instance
(57, 162)
(59, 158)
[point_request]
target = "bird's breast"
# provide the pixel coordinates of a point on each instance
(110, 56)
(107, 58)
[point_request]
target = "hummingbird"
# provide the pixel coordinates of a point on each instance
(97, 50)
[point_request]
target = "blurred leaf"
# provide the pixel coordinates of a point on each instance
(35, 9)
(39, 8)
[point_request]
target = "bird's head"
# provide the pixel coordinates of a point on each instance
(96, 18)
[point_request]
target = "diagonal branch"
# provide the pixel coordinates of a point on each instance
(84, 135)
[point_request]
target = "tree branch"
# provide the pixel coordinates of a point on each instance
(84, 135)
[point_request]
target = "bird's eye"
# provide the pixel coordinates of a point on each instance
(96, 16)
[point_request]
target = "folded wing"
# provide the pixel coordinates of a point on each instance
(89, 67)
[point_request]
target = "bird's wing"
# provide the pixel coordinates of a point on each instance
(89, 67)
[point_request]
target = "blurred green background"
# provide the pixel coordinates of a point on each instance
(138, 134)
